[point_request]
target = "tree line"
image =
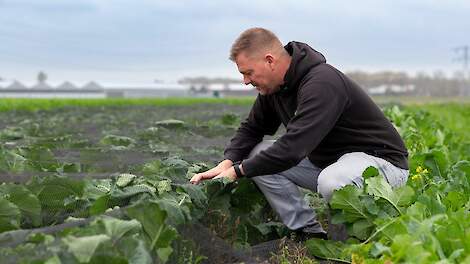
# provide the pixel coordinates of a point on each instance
(436, 84)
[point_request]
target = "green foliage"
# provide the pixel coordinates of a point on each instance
(325, 249)
(370, 172)
(11, 161)
(230, 119)
(42, 104)
(158, 235)
(379, 188)
(9, 215)
(83, 248)
(124, 179)
(171, 123)
(27, 202)
(118, 141)
(425, 221)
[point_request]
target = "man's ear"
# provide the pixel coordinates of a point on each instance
(270, 60)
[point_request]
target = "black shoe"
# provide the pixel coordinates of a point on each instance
(304, 236)
(306, 233)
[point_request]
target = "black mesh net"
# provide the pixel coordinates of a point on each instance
(110, 185)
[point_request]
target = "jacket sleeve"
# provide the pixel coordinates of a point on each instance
(262, 120)
(320, 105)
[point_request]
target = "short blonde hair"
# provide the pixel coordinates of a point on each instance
(253, 40)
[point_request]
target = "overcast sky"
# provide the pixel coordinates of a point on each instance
(142, 40)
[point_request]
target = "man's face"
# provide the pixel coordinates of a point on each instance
(257, 70)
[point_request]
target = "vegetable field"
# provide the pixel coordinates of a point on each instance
(106, 181)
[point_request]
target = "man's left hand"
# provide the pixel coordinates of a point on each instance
(228, 173)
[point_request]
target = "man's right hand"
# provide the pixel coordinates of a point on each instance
(222, 166)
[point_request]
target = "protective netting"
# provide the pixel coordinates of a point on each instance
(27, 176)
(185, 206)
(205, 242)
(87, 185)
(66, 172)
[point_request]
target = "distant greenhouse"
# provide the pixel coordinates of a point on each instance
(44, 90)
(16, 85)
(92, 89)
(66, 86)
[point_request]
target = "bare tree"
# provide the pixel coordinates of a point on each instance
(42, 77)
(435, 84)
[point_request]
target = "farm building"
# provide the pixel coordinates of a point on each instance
(93, 89)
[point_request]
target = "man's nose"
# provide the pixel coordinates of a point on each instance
(246, 80)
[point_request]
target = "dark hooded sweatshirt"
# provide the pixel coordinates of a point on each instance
(326, 115)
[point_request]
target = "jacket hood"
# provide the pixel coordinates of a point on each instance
(304, 58)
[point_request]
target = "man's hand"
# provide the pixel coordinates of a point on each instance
(228, 173)
(216, 171)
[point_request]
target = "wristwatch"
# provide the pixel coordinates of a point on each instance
(236, 167)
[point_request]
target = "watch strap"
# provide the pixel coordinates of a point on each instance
(236, 167)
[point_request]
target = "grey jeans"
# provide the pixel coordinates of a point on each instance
(282, 192)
